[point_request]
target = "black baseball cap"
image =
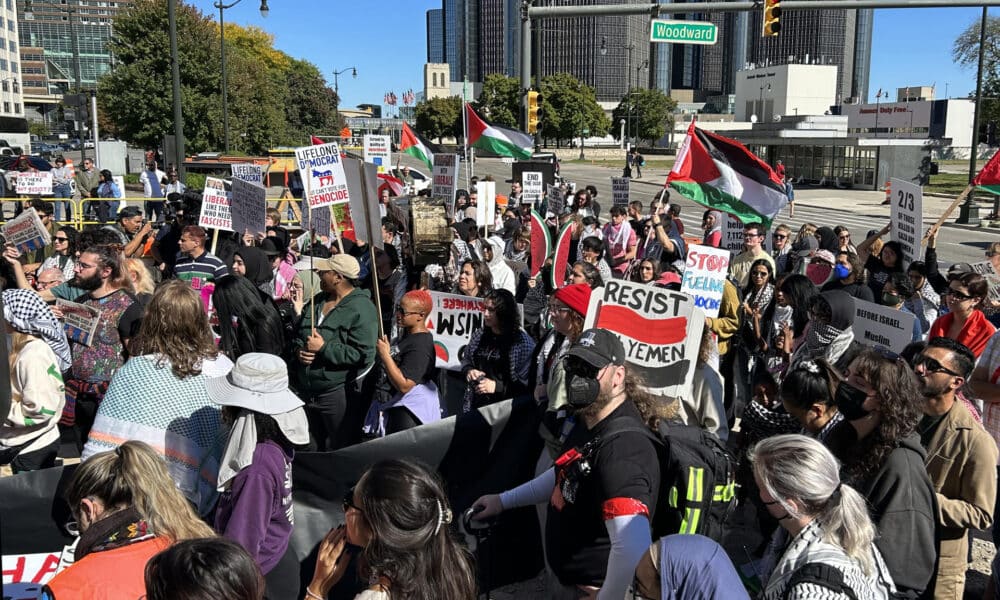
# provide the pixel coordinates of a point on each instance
(598, 348)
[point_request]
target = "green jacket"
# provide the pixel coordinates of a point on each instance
(349, 330)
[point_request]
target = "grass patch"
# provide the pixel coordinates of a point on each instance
(947, 183)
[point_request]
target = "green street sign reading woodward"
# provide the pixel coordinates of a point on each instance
(683, 32)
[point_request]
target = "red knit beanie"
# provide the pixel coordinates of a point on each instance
(576, 296)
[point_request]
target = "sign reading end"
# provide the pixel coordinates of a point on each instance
(683, 32)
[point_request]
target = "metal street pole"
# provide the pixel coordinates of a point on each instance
(222, 52)
(175, 75)
(79, 81)
(968, 213)
(525, 61)
(336, 81)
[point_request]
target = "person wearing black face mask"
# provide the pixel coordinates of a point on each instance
(602, 491)
(895, 293)
(882, 458)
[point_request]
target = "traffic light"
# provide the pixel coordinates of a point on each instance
(772, 18)
(534, 111)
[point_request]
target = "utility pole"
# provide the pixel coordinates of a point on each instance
(175, 75)
(968, 213)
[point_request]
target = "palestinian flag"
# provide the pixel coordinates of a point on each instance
(498, 140)
(411, 143)
(541, 243)
(988, 179)
(722, 174)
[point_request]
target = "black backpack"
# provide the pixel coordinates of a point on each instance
(697, 479)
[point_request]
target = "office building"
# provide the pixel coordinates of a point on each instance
(461, 38)
(500, 51)
(435, 36)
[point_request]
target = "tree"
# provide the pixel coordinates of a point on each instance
(965, 51)
(647, 114)
(38, 128)
(569, 107)
(500, 100)
(439, 117)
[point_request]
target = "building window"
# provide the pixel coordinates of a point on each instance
(17, 87)
(4, 86)
(12, 45)
(13, 67)
(17, 107)
(10, 24)
(6, 107)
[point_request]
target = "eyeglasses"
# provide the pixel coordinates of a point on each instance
(752, 235)
(778, 236)
(931, 365)
(958, 295)
(553, 308)
(47, 284)
(348, 501)
(846, 236)
(758, 274)
(84, 265)
(991, 254)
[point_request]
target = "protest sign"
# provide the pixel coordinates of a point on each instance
(248, 207)
(877, 325)
(556, 200)
(34, 183)
(452, 320)
(619, 191)
(359, 197)
(248, 172)
(532, 187)
(560, 256)
(732, 234)
(541, 243)
(659, 328)
(317, 218)
(486, 204)
(985, 268)
(705, 277)
(79, 320)
(322, 174)
(216, 212)
(445, 178)
(26, 231)
(377, 150)
(906, 216)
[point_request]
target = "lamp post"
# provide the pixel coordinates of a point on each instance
(968, 213)
(878, 97)
(635, 127)
(222, 51)
(628, 77)
(336, 81)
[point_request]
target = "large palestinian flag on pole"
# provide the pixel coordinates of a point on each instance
(722, 174)
(988, 179)
(498, 140)
(411, 143)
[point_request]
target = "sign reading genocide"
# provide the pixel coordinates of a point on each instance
(215, 209)
(619, 191)
(705, 277)
(906, 216)
(660, 330)
(248, 172)
(532, 187)
(322, 174)
(377, 150)
(26, 231)
(248, 207)
(877, 325)
(683, 32)
(34, 184)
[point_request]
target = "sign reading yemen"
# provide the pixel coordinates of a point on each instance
(660, 330)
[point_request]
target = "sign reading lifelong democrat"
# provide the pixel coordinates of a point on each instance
(248, 172)
(322, 174)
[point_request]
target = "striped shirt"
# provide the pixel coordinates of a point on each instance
(199, 271)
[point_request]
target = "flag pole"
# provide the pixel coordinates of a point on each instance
(469, 169)
(951, 208)
(371, 247)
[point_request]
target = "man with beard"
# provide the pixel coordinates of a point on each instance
(961, 458)
(99, 270)
(602, 491)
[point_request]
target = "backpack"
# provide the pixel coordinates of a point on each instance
(697, 479)
(820, 574)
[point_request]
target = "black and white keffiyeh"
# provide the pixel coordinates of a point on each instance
(28, 313)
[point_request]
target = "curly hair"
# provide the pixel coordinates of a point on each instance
(652, 409)
(898, 394)
(175, 328)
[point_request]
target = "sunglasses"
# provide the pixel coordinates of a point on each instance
(780, 237)
(931, 365)
(580, 368)
(348, 501)
(844, 237)
(759, 274)
(61, 239)
(991, 254)
(958, 295)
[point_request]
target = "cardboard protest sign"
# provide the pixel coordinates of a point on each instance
(486, 203)
(377, 150)
(541, 243)
(216, 212)
(906, 216)
(877, 325)
(556, 200)
(452, 320)
(619, 191)
(705, 277)
(532, 187)
(732, 234)
(26, 231)
(79, 320)
(248, 207)
(560, 256)
(317, 218)
(322, 174)
(659, 328)
(444, 182)
(985, 268)
(360, 197)
(248, 172)
(34, 183)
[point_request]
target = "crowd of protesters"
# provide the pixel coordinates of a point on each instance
(216, 356)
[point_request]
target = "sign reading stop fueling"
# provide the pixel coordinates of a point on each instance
(683, 32)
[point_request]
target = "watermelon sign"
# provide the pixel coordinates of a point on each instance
(541, 243)
(560, 262)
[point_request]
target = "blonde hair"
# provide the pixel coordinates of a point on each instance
(142, 280)
(135, 475)
(18, 340)
(800, 469)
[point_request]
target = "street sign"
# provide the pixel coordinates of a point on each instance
(683, 32)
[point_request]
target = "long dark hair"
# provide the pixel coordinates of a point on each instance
(798, 292)
(72, 239)
(505, 309)
(257, 324)
(204, 569)
(412, 545)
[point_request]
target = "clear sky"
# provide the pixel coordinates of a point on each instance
(386, 41)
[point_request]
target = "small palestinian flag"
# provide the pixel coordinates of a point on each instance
(722, 174)
(988, 179)
(411, 143)
(498, 140)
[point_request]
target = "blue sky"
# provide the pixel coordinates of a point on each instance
(388, 45)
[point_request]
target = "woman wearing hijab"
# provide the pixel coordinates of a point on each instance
(39, 353)
(712, 224)
(827, 240)
(252, 263)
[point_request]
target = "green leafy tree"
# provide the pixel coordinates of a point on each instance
(647, 114)
(569, 107)
(38, 128)
(439, 117)
(312, 105)
(500, 100)
(965, 51)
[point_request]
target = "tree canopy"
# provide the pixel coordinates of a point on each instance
(500, 100)
(647, 114)
(965, 51)
(439, 117)
(569, 107)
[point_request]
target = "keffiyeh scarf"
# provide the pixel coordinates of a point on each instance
(28, 313)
